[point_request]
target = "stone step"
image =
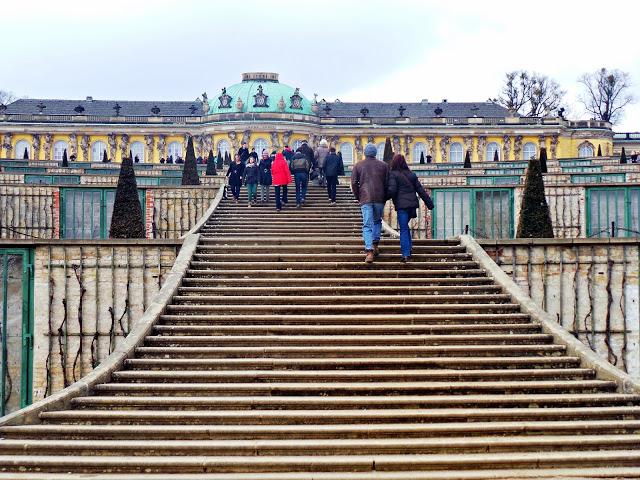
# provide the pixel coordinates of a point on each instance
(301, 290)
(344, 299)
(330, 410)
(251, 246)
(188, 328)
(366, 282)
(320, 463)
(321, 447)
(148, 362)
(337, 240)
(369, 274)
(435, 320)
(329, 376)
(333, 265)
(319, 256)
(318, 431)
(357, 388)
(343, 351)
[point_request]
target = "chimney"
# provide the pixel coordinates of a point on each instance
(89, 99)
(424, 100)
(444, 100)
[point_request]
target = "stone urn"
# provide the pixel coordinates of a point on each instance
(281, 104)
(239, 105)
(315, 107)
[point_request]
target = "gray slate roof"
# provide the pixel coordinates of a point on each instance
(103, 107)
(449, 109)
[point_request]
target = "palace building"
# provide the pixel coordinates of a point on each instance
(268, 114)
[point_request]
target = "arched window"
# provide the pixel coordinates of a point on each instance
(491, 149)
(223, 147)
(296, 145)
(529, 151)
(20, 148)
(260, 144)
(456, 152)
(97, 151)
(380, 154)
(346, 149)
(137, 150)
(58, 150)
(418, 150)
(174, 150)
(585, 150)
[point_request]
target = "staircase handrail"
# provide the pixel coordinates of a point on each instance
(589, 358)
(102, 373)
(214, 204)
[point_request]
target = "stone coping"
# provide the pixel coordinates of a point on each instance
(205, 217)
(589, 359)
(101, 374)
(489, 242)
(129, 242)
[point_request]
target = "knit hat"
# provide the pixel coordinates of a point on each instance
(370, 150)
(324, 143)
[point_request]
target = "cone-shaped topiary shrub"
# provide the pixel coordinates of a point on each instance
(190, 169)
(219, 161)
(25, 155)
(599, 154)
(211, 164)
(495, 156)
(104, 157)
(65, 160)
(127, 220)
(535, 220)
(421, 158)
(388, 152)
(467, 160)
(543, 160)
(623, 156)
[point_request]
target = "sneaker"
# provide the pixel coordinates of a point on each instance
(404, 259)
(369, 258)
(249, 205)
(376, 249)
(278, 209)
(298, 205)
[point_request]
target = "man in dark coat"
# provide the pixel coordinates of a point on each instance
(243, 152)
(332, 168)
(307, 151)
(369, 181)
(300, 166)
(287, 153)
(264, 176)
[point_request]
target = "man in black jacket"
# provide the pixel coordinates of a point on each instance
(332, 168)
(244, 153)
(300, 167)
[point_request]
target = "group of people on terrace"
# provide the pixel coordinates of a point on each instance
(280, 169)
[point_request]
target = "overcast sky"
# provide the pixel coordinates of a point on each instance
(374, 50)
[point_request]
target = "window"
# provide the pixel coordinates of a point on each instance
(175, 150)
(97, 151)
(137, 150)
(58, 150)
(418, 150)
(529, 151)
(380, 154)
(491, 149)
(223, 147)
(585, 150)
(296, 145)
(260, 144)
(346, 149)
(456, 153)
(614, 211)
(21, 146)
(86, 213)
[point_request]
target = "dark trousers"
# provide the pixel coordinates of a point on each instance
(280, 199)
(235, 191)
(302, 180)
(332, 184)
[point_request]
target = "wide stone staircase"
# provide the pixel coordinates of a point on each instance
(283, 355)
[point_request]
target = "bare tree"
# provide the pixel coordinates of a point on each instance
(606, 93)
(530, 94)
(7, 97)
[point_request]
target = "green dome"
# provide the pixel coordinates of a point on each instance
(260, 84)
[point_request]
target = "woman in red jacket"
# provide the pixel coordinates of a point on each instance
(281, 177)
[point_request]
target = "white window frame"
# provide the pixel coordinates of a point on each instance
(346, 149)
(491, 147)
(415, 152)
(296, 145)
(174, 149)
(223, 147)
(459, 153)
(259, 144)
(97, 150)
(380, 151)
(58, 150)
(583, 148)
(137, 148)
(19, 149)
(529, 145)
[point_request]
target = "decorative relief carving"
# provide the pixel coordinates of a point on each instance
(84, 146)
(408, 140)
(47, 146)
(162, 146)
(286, 136)
(233, 136)
(396, 144)
(468, 145)
(111, 138)
(542, 142)
(124, 145)
(358, 145)
(482, 144)
(275, 141)
(7, 144)
(225, 100)
(554, 147)
(517, 147)
(431, 145)
(312, 140)
(148, 140)
(260, 99)
(35, 142)
(245, 136)
(506, 147)
(444, 147)
(296, 100)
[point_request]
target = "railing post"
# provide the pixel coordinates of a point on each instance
(613, 229)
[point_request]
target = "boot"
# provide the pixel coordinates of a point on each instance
(376, 249)
(370, 256)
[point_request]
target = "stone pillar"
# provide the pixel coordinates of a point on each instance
(124, 146)
(542, 142)
(334, 140)
(312, 140)
(161, 146)
(275, 142)
(444, 144)
(468, 146)
(395, 144)
(35, 144)
(148, 142)
(431, 148)
(84, 146)
(506, 147)
(286, 136)
(358, 148)
(7, 144)
(47, 146)
(517, 147)
(246, 135)
(482, 144)
(554, 147)
(408, 140)
(111, 139)
(233, 136)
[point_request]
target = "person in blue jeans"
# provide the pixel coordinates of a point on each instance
(404, 189)
(369, 181)
(300, 166)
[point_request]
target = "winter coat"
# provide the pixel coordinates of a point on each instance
(307, 151)
(333, 165)
(235, 173)
(320, 155)
(280, 171)
(264, 172)
(288, 154)
(402, 190)
(244, 154)
(251, 174)
(300, 163)
(369, 181)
